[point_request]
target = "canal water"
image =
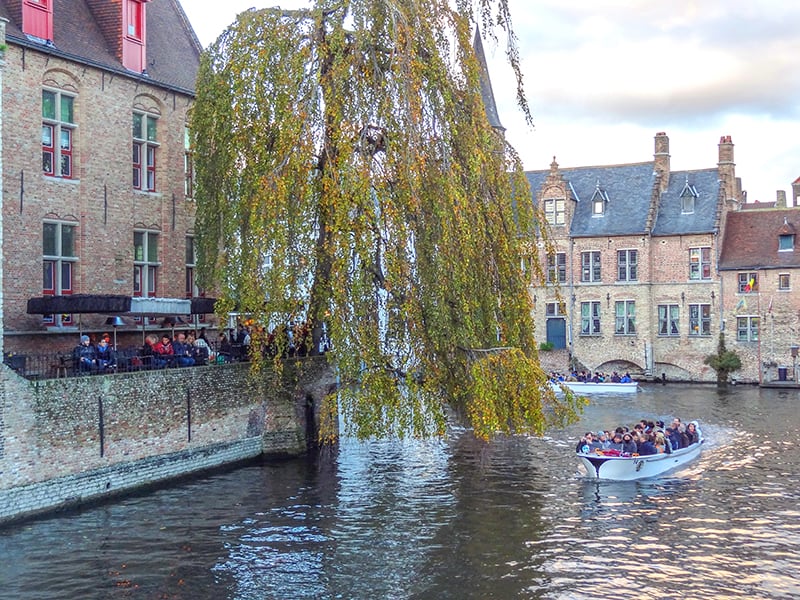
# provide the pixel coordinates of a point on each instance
(452, 519)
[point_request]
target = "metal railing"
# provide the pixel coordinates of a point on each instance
(53, 365)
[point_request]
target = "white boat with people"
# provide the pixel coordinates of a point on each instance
(613, 464)
(591, 387)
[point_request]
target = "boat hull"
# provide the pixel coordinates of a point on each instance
(588, 387)
(628, 468)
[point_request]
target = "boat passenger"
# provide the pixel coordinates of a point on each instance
(646, 446)
(691, 433)
(587, 444)
(674, 437)
(625, 378)
(616, 443)
(628, 445)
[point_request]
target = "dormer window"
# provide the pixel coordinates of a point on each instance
(555, 211)
(688, 196)
(599, 201)
(134, 35)
(786, 242)
(37, 19)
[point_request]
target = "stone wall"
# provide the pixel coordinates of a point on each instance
(65, 442)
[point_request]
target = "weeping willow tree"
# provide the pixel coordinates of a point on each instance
(348, 178)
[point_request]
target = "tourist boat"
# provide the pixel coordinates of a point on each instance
(628, 468)
(590, 387)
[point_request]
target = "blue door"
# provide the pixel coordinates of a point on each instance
(557, 332)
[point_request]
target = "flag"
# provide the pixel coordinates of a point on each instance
(750, 285)
(742, 304)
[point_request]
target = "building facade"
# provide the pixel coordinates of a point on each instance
(97, 190)
(633, 279)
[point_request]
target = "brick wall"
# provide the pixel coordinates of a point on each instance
(69, 441)
(100, 199)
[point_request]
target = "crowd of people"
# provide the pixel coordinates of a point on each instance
(188, 348)
(596, 377)
(643, 439)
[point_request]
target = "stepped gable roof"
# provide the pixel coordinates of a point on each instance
(629, 191)
(751, 239)
(173, 51)
(705, 186)
(487, 93)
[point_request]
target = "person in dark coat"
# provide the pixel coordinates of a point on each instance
(628, 445)
(646, 446)
(85, 356)
(674, 437)
(691, 433)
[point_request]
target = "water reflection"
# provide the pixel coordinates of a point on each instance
(451, 519)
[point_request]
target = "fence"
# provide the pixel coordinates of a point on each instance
(53, 365)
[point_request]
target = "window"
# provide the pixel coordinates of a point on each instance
(144, 151)
(557, 268)
(58, 127)
(554, 211)
(786, 242)
(688, 196)
(188, 164)
(135, 20)
(58, 258)
(627, 261)
(590, 318)
(145, 263)
(784, 283)
(747, 329)
(599, 200)
(699, 263)
(590, 266)
(37, 19)
(669, 319)
(748, 283)
(555, 309)
(699, 319)
(625, 317)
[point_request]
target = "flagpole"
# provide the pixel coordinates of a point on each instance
(760, 330)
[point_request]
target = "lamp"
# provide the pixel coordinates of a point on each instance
(115, 322)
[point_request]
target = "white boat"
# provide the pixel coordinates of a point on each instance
(628, 468)
(590, 387)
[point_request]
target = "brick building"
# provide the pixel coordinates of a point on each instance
(632, 280)
(759, 273)
(97, 171)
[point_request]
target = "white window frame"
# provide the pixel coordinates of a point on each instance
(60, 264)
(145, 264)
(555, 211)
(699, 320)
(145, 152)
(58, 128)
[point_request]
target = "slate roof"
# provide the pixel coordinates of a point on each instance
(751, 239)
(629, 210)
(173, 50)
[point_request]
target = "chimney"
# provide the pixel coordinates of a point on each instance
(727, 168)
(661, 158)
(780, 201)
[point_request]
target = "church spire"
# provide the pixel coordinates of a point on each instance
(486, 85)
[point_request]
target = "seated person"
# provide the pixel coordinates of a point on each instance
(646, 446)
(628, 445)
(674, 437)
(691, 433)
(85, 356)
(105, 356)
(588, 444)
(200, 349)
(163, 353)
(616, 443)
(181, 351)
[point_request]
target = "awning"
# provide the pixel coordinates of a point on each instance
(158, 307)
(79, 303)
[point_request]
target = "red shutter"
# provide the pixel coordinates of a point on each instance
(37, 18)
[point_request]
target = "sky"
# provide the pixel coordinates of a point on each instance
(602, 77)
